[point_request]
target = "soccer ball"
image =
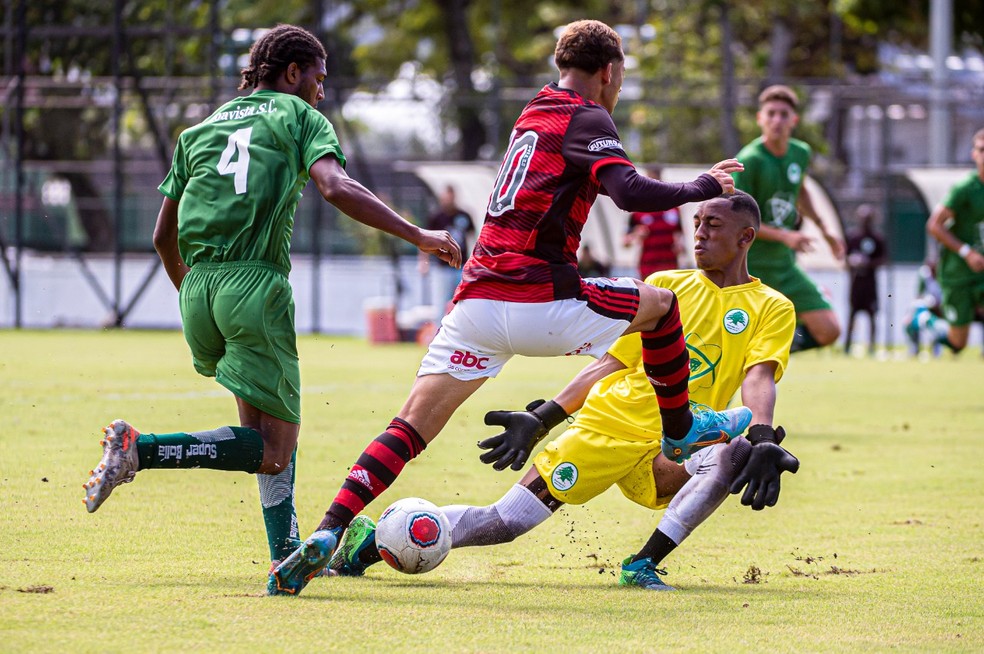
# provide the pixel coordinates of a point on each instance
(413, 536)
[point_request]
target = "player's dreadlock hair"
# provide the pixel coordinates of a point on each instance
(588, 45)
(276, 50)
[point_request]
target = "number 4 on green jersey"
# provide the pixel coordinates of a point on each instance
(238, 144)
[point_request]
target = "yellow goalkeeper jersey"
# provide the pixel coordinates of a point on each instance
(727, 330)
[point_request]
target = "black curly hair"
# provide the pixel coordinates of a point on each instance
(276, 50)
(743, 203)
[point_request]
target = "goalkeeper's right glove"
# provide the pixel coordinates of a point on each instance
(767, 461)
(523, 430)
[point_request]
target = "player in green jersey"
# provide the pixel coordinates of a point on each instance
(958, 224)
(775, 166)
(223, 235)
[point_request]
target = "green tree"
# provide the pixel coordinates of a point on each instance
(72, 55)
(697, 66)
(503, 43)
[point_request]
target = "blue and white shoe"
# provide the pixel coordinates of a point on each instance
(360, 535)
(644, 574)
(709, 428)
(303, 565)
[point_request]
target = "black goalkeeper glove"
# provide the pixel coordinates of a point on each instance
(767, 461)
(523, 430)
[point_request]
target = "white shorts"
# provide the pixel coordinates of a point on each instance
(478, 337)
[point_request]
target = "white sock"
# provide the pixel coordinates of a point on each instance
(713, 470)
(516, 512)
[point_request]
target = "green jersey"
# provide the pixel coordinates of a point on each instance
(966, 201)
(775, 184)
(238, 176)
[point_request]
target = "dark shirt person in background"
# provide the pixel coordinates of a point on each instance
(865, 254)
(459, 224)
(658, 233)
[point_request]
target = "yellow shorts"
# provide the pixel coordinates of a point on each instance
(581, 464)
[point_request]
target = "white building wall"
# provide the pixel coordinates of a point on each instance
(57, 294)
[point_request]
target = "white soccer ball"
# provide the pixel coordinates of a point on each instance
(413, 536)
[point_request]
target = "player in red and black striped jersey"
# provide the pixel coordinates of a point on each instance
(564, 150)
(521, 292)
(658, 234)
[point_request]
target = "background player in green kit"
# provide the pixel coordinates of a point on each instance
(775, 166)
(958, 224)
(223, 235)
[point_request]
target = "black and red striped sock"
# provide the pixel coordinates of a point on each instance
(667, 364)
(376, 469)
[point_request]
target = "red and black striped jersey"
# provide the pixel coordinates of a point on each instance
(527, 248)
(657, 251)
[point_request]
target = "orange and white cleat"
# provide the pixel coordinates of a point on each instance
(118, 465)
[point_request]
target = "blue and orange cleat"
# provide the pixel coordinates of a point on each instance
(709, 428)
(303, 565)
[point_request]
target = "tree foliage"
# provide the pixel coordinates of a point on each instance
(474, 49)
(680, 63)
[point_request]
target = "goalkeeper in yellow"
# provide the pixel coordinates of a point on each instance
(738, 333)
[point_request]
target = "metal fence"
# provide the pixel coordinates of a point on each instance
(104, 206)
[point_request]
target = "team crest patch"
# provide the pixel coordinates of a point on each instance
(736, 321)
(783, 211)
(794, 173)
(564, 476)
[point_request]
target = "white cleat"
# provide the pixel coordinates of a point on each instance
(118, 465)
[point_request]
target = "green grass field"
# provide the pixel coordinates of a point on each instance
(877, 544)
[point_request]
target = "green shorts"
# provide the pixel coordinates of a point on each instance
(962, 299)
(238, 319)
(792, 282)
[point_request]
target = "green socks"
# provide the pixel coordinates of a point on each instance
(225, 448)
(236, 449)
(279, 515)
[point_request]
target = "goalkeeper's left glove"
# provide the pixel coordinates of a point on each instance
(767, 461)
(523, 430)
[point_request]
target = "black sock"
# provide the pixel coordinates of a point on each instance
(657, 548)
(370, 555)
